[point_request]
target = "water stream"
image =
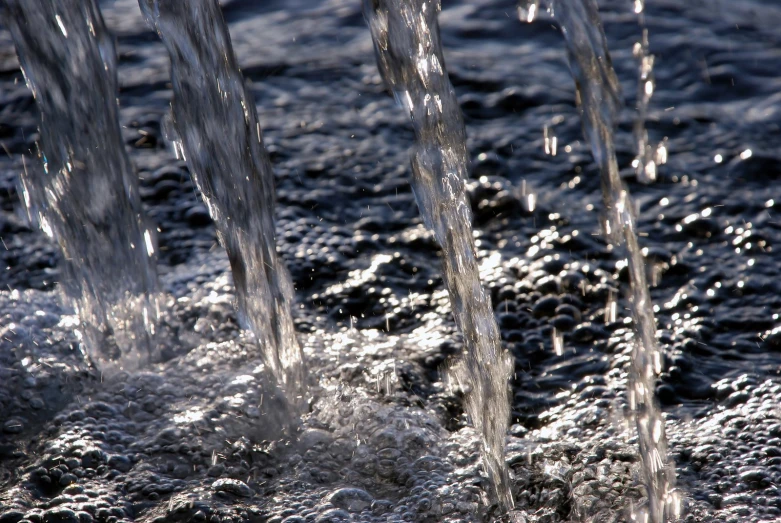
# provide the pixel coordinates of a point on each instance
(220, 137)
(86, 195)
(410, 59)
(599, 101)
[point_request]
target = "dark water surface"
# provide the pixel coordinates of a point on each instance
(192, 439)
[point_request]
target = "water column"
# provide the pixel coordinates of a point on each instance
(86, 196)
(409, 55)
(599, 102)
(219, 135)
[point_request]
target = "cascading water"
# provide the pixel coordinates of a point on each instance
(599, 102)
(220, 136)
(410, 59)
(86, 196)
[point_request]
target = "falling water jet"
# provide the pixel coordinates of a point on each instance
(599, 102)
(86, 195)
(220, 137)
(410, 59)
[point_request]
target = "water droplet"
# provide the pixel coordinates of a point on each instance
(558, 342)
(527, 10)
(62, 26)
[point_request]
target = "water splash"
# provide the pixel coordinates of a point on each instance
(86, 195)
(410, 59)
(599, 102)
(220, 137)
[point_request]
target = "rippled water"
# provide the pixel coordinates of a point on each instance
(85, 196)
(220, 137)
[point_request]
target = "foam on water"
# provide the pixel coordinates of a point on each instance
(410, 59)
(220, 137)
(599, 101)
(86, 196)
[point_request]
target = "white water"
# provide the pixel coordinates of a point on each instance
(221, 139)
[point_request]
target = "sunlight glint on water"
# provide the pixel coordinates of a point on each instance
(527, 10)
(220, 136)
(86, 196)
(599, 102)
(410, 59)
